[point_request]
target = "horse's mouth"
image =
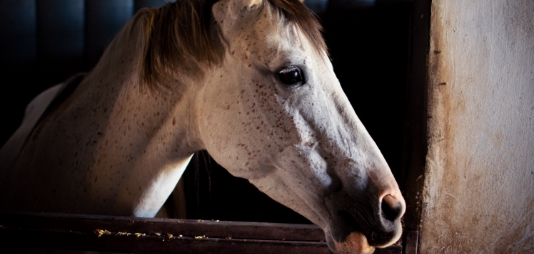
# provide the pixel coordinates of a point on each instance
(374, 236)
(349, 238)
(355, 243)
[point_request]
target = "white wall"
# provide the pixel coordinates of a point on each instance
(479, 184)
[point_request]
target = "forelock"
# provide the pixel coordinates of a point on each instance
(293, 12)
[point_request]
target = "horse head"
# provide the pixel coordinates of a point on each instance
(273, 112)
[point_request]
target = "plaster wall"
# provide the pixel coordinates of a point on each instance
(478, 195)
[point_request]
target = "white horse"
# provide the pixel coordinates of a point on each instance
(247, 80)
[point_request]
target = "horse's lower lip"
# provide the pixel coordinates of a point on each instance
(354, 243)
(378, 238)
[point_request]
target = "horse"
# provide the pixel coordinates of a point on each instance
(249, 81)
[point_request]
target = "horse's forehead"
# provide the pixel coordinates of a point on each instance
(275, 45)
(270, 32)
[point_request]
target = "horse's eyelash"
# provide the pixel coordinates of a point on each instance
(289, 69)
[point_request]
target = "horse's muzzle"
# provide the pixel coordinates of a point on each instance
(361, 225)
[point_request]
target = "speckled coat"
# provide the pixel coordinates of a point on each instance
(117, 146)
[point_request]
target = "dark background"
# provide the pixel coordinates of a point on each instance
(43, 42)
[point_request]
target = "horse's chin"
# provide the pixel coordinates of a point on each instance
(355, 243)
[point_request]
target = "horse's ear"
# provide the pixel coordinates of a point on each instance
(233, 15)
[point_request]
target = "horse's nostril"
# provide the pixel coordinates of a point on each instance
(391, 208)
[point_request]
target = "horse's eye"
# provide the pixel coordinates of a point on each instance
(291, 75)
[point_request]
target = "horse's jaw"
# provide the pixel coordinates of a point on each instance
(356, 212)
(335, 211)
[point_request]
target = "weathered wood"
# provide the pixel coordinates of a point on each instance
(411, 242)
(49, 239)
(214, 229)
(415, 128)
(478, 193)
(141, 235)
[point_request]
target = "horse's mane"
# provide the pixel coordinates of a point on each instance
(178, 36)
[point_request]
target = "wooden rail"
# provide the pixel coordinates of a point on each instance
(153, 235)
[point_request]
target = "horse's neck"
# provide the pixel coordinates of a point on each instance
(140, 118)
(136, 137)
(113, 141)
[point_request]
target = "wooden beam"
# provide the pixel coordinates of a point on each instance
(154, 235)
